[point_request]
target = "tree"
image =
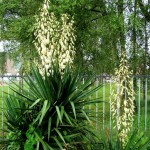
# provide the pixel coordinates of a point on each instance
(144, 10)
(17, 19)
(3, 57)
(104, 29)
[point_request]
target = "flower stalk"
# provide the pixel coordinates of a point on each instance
(123, 100)
(55, 39)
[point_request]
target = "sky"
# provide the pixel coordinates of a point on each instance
(1, 46)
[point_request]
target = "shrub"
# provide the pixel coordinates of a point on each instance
(50, 114)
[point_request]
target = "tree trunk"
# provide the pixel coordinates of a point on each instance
(145, 58)
(121, 27)
(134, 49)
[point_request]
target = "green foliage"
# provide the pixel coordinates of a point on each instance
(14, 145)
(3, 62)
(101, 30)
(135, 142)
(50, 115)
(17, 20)
(17, 16)
(31, 140)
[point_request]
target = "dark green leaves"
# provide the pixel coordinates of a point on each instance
(54, 107)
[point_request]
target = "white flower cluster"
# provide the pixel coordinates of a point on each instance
(123, 101)
(55, 39)
(67, 42)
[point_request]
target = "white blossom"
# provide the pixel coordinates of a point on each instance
(55, 39)
(125, 104)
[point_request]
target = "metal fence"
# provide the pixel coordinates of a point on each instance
(104, 119)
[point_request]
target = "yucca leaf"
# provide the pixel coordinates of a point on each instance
(37, 118)
(58, 113)
(87, 83)
(59, 91)
(62, 112)
(86, 116)
(140, 137)
(44, 144)
(35, 91)
(40, 82)
(131, 139)
(9, 126)
(145, 145)
(58, 143)
(90, 92)
(20, 94)
(38, 145)
(60, 135)
(67, 117)
(49, 88)
(49, 127)
(57, 121)
(43, 111)
(90, 102)
(36, 102)
(72, 135)
(17, 88)
(73, 109)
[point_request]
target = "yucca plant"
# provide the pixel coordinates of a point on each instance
(135, 142)
(50, 114)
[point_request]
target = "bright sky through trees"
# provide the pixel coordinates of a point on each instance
(1, 46)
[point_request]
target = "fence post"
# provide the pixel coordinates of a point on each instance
(139, 103)
(110, 123)
(2, 108)
(96, 105)
(146, 96)
(104, 99)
